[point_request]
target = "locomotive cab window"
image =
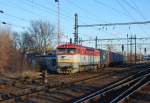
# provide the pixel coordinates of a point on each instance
(66, 50)
(61, 51)
(71, 50)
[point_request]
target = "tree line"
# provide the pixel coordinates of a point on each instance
(39, 38)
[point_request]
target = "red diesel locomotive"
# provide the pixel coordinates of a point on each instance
(74, 58)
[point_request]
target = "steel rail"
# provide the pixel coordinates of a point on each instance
(131, 90)
(126, 80)
(105, 91)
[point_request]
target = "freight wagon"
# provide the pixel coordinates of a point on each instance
(115, 58)
(104, 58)
(110, 58)
(73, 58)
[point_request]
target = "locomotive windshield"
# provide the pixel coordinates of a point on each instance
(66, 50)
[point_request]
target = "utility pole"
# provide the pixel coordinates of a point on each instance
(76, 29)
(80, 41)
(135, 49)
(96, 42)
(140, 53)
(131, 49)
(58, 21)
(70, 40)
(127, 48)
(123, 51)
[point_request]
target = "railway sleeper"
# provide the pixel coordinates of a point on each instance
(18, 99)
(7, 96)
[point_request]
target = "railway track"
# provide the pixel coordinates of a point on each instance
(118, 91)
(34, 91)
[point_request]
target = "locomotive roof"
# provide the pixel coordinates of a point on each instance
(69, 45)
(75, 46)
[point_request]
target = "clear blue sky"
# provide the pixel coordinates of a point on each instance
(21, 12)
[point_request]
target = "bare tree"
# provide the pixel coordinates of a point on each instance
(109, 47)
(11, 59)
(5, 49)
(16, 40)
(27, 42)
(39, 37)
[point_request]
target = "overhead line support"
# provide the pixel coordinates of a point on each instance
(76, 40)
(113, 24)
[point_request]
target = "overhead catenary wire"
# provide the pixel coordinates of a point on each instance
(138, 9)
(112, 8)
(48, 10)
(110, 39)
(26, 10)
(69, 11)
(124, 8)
(10, 24)
(45, 9)
(16, 17)
(124, 44)
(84, 10)
(135, 8)
(22, 8)
(34, 13)
(34, 2)
(114, 24)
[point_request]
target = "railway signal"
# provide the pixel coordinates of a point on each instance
(145, 51)
(122, 47)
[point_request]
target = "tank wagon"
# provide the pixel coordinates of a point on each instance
(72, 58)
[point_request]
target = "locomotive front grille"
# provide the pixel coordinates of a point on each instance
(65, 68)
